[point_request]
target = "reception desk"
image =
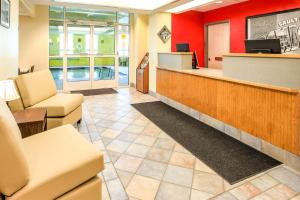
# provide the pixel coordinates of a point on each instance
(175, 60)
(273, 69)
(268, 112)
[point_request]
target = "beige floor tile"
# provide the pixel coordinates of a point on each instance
(137, 150)
(199, 195)
(245, 191)
(296, 197)
(109, 172)
(170, 191)
(127, 120)
(114, 112)
(182, 160)
(178, 175)
(142, 187)
(286, 176)
(159, 155)
(106, 141)
(134, 129)
(179, 148)
(116, 190)
(127, 137)
(113, 156)
(225, 196)
(152, 169)
(164, 143)
(125, 177)
(145, 140)
(281, 192)
(151, 130)
(264, 182)
(118, 146)
(105, 194)
(209, 183)
(119, 126)
(201, 166)
(140, 122)
(110, 133)
(128, 163)
(99, 145)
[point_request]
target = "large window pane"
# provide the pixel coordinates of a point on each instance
(56, 13)
(74, 14)
(123, 70)
(56, 68)
(56, 38)
(123, 50)
(78, 39)
(78, 69)
(123, 18)
(104, 40)
(104, 68)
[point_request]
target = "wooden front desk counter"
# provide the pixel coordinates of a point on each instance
(268, 112)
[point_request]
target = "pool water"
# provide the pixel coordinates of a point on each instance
(75, 74)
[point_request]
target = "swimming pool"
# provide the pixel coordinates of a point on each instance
(76, 74)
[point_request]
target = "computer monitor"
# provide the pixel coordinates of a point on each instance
(263, 46)
(183, 47)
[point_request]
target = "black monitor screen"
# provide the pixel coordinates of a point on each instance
(182, 47)
(263, 46)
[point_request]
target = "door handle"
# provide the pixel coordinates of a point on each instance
(208, 59)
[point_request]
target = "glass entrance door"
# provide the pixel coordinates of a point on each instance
(104, 57)
(90, 59)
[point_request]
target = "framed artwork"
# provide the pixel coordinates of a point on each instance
(5, 13)
(164, 34)
(284, 25)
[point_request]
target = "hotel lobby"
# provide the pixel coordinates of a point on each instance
(150, 100)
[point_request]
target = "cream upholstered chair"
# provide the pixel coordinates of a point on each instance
(56, 164)
(38, 89)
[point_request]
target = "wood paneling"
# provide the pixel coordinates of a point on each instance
(270, 114)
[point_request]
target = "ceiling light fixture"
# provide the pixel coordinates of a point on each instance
(218, 2)
(189, 5)
(128, 4)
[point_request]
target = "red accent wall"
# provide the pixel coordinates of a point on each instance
(236, 14)
(188, 27)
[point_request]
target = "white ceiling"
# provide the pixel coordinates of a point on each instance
(213, 6)
(145, 6)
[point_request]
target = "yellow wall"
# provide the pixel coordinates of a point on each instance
(9, 44)
(34, 36)
(156, 45)
(139, 42)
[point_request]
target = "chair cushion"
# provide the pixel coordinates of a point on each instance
(59, 160)
(61, 105)
(36, 87)
(14, 172)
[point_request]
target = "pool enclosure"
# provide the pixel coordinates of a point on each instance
(88, 48)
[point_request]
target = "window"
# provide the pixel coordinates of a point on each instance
(74, 14)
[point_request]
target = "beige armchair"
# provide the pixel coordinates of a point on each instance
(38, 89)
(56, 164)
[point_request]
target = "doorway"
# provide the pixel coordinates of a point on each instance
(90, 58)
(218, 43)
(88, 49)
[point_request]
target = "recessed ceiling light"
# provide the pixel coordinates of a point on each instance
(129, 4)
(189, 5)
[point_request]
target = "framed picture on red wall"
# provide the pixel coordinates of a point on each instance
(284, 25)
(5, 13)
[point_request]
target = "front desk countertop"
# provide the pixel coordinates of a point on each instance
(218, 74)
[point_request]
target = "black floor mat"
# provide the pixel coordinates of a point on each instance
(96, 91)
(228, 157)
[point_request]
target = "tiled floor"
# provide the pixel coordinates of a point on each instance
(143, 162)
